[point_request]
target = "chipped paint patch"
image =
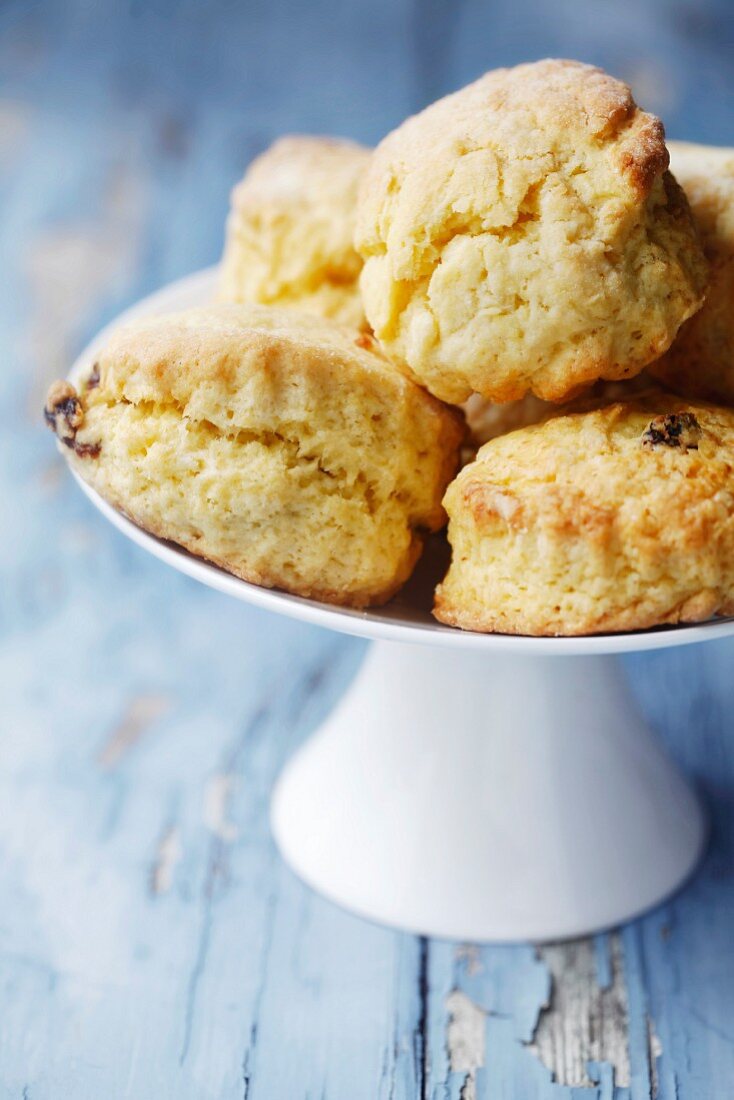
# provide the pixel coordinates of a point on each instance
(654, 1051)
(14, 125)
(51, 476)
(167, 857)
(80, 538)
(585, 1021)
(141, 713)
(215, 809)
(465, 1040)
(469, 956)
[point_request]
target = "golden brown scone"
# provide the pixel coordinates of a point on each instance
(274, 444)
(700, 362)
(523, 235)
(291, 227)
(616, 519)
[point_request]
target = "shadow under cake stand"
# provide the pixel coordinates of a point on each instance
(477, 787)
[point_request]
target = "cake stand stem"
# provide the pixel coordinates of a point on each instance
(487, 798)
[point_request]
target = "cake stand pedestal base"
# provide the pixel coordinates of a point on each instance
(487, 797)
(472, 786)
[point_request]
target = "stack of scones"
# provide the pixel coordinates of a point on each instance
(514, 278)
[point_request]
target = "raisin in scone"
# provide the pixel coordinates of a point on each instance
(700, 363)
(276, 445)
(615, 519)
(524, 234)
(291, 227)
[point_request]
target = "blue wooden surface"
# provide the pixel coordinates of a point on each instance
(151, 943)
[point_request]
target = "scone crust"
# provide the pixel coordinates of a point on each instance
(290, 230)
(285, 449)
(700, 362)
(485, 420)
(524, 234)
(621, 518)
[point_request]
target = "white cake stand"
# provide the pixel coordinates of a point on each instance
(479, 787)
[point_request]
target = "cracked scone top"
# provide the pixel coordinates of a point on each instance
(619, 518)
(274, 444)
(291, 227)
(523, 234)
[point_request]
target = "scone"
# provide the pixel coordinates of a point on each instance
(524, 235)
(274, 444)
(290, 230)
(486, 421)
(616, 519)
(700, 362)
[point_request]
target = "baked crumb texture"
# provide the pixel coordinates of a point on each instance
(291, 227)
(269, 442)
(620, 518)
(700, 363)
(523, 234)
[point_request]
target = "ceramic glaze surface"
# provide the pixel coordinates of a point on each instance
(434, 800)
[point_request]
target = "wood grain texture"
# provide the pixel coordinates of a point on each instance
(151, 943)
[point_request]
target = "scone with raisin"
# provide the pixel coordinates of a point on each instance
(276, 445)
(615, 519)
(290, 230)
(524, 234)
(700, 363)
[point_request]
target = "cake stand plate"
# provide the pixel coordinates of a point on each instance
(478, 787)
